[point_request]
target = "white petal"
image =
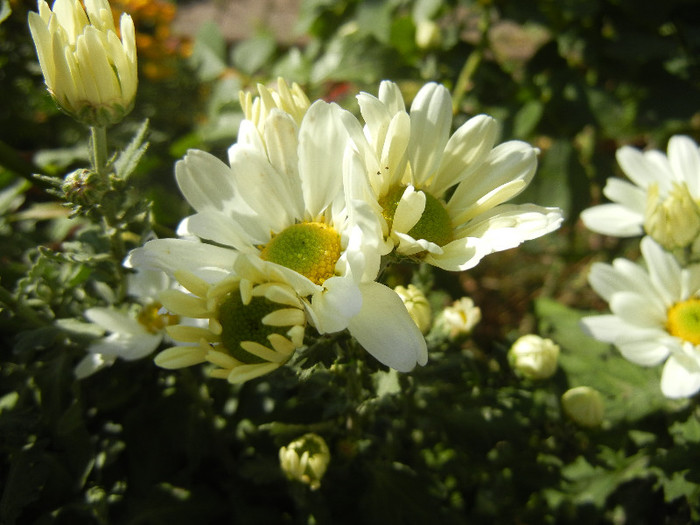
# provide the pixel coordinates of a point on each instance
(628, 195)
(634, 309)
(205, 181)
(644, 169)
(605, 328)
(322, 142)
(466, 149)
(431, 121)
(127, 347)
(613, 219)
(459, 255)
(684, 156)
(390, 94)
(680, 377)
(91, 363)
(333, 306)
(169, 255)
(664, 270)
(385, 329)
(216, 226)
(114, 321)
(263, 188)
(409, 210)
(646, 351)
(147, 283)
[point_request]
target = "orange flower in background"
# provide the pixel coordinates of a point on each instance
(158, 48)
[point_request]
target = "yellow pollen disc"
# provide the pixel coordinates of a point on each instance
(154, 321)
(309, 248)
(684, 321)
(434, 225)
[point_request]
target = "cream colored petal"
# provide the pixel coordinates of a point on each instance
(114, 321)
(181, 357)
(390, 94)
(263, 352)
(467, 148)
(628, 195)
(645, 169)
(431, 122)
(205, 181)
(190, 334)
(684, 157)
(284, 317)
(681, 375)
(243, 373)
(613, 219)
(664, 271)
(409, 210)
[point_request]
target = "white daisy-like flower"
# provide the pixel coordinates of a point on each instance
(133, 333)
(661, 199)
(441, 197)
(655, 315)
(252, 328)
(280, 205)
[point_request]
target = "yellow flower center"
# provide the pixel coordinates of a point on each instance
(434, 225)
(151, 318)
(684, 321)
(309, 248)
(243, 322)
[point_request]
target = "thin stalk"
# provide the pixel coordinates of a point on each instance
(98, 146)
(464, 81)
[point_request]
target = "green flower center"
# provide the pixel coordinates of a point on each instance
(309, 248)
(243, 322)
(684, 320)
(434, 225)
(153, 321)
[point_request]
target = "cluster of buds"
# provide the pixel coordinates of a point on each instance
(306, 459)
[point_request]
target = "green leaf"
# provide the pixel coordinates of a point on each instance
(129, 158)
(252, 54)
(209, 52)
(631, 391)
(527, 118)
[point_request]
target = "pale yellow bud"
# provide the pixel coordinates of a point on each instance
(427, 34)
(673, 221)
(584, 405)
(417, 306)
(460, 318)
(534, 357)
(306, 459)
(88, 69)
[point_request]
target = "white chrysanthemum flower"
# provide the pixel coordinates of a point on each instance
(292, 100)
(655, 315)
(661, 199)
(252, 329)
(280, 205)
(441, 197)
(134, 333)
(89, 71)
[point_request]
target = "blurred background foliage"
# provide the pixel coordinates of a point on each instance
(462, 440)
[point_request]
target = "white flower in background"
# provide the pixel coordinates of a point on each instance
(306, 459)
(459, 318)
(252, 328)
(88, 70)
(290, 99)
(417, 305)
(280, 205)
(584, 405)
(132, 334)
(655, 315)
(441, 198)
(534, 357)
(661, 199)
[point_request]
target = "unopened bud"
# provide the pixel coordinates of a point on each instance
(306, 459)
(673, 221)
(534, 357)
(584, 405)
(417, 306)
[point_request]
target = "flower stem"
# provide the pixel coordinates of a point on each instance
(464, 81)
(98, 147)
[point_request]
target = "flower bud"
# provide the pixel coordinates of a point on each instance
(584, 405)
(306, 459)
(88, 69)
(460, 318)
(417, 306)
(534, 357)
(427, 34)
(673, 221)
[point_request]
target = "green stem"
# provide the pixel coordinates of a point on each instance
(464, 81)
(98, 146)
